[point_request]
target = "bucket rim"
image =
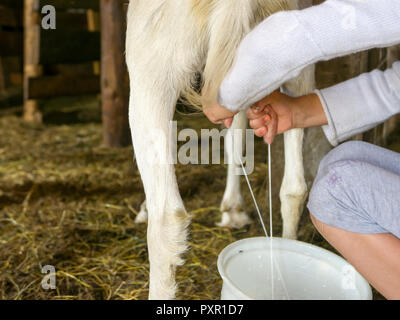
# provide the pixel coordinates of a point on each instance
(227, 253)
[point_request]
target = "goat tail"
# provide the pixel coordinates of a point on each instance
(192, 99)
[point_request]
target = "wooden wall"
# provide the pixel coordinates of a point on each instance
(64, 61)
(10, 52)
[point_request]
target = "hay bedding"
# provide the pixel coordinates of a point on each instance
(66, 202)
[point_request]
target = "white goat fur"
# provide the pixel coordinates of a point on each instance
(168, 42)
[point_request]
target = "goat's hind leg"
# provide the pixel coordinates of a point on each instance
(152, 104)
(294, 189)
(233, 213)
(150, 113)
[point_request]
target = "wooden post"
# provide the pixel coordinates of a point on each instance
(393, 54)
(356, 64)
(31, 57)
(305, 3)
(376, 60)
(114, 75)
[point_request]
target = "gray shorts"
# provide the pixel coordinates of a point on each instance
(358, 189)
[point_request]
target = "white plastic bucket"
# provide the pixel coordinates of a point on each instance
(308, 272)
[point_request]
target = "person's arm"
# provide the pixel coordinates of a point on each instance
(286, 42)
(343, 110)
(360, 104)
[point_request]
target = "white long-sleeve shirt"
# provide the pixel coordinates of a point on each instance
(360, 104)
(286, 42)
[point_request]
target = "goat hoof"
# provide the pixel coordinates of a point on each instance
(234, 220)
(142, 215)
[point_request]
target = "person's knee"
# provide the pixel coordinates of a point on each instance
(326, 182)
(335, 177)
(333, 190)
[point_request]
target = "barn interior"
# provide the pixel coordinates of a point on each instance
(69, 188)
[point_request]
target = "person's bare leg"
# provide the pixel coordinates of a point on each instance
(375, 256)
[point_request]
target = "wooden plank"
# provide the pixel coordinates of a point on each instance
(69, 46)
(67, 20)
(73, 70)
(10, 17)
(12, 97)
(377, 59)
(393, 54)
(56, 86)
(93, 20)
(93, 24)
(331, 72)
(15, 4)
(31, 58)
(14, 64)
(11, 43)
(72, 4)
(305, 3)
(16, 79)
(114, 77)
(72, 20)
(12, 71)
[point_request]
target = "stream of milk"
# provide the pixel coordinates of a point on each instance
(273, 261)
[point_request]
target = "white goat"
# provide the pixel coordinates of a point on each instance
(168, 42)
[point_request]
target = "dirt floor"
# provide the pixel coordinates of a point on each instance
(66, 201)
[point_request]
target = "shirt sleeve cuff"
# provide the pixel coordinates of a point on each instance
(329, 130)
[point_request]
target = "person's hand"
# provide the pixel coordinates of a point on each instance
(279, 112)
(272, 115)
(219, 115)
